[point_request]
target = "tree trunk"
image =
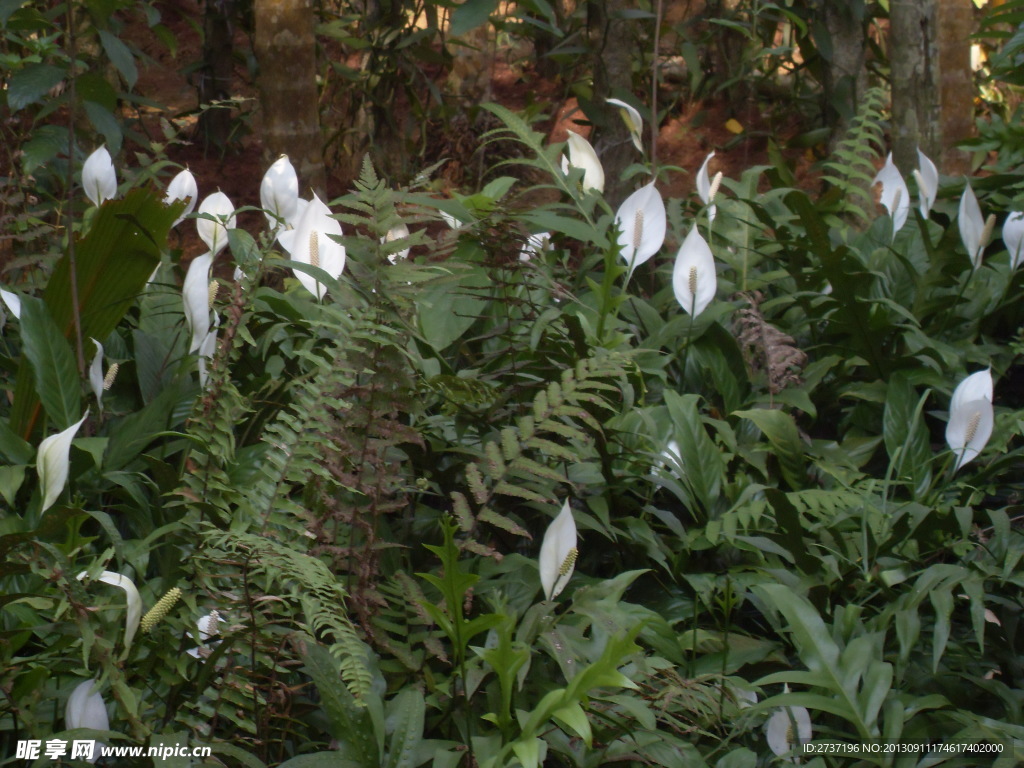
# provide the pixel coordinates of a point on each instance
(956, 82)
(933, 89)
(913, 55)
(285, 48)
(844, 73)
(612, 54)
(214, 126)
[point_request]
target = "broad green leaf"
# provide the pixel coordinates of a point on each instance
(405, 716)
(702, 461)
(448, 309)
(46, 142)
(54, 373)
(781, 431)
(120, 56)
(112, 263)
(470, 15)
(31, 83)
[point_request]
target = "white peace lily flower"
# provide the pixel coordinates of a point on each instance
(183, 187)
(895, 195)
(972, 225)
(279, 193)
(535, 245)
(633, 121)
(927, 177)
(134, 603)
(693, 276)
(86, 709)
(582, 155)
(641, 222)
(971, 417)
(215, 233)
(195, 292)
(53, 461)
(558, 553)
(207, 626)
(12, 301)
(787, 730)
(977, 386)
(312, 244)
(398, 232)
(99, 180)
(704, 188)
(96, 374)
(1013, 237)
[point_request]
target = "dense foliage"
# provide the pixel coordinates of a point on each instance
(512, 477)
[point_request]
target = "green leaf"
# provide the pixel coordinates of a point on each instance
(349, 723)
(470, 15)
(328, 759)
(702, 461)
(105, 123)
(31, 83)
(113, 262)
(11, 479)
(46, 143)
(120, 56)
(54, 373)
(781, 431)
(449, 308)
(406, 713)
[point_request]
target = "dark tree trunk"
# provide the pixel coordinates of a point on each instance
(612, 52)
(933, 89)
(845, 74)
(913, 54)
(215, 75)
(285, 48)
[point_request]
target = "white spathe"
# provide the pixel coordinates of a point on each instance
(1013, 237)
(971, 417)
(96, 374)
(215, 233)
(694, 282)
(133, 612)
(313, 244)
(99, 180)
(704, 187)
(972, 225)
(12, 301)
(53, 461)
(398, 232)
(582, 155)
(195, 293)
(642, 224)
(787, 730)
(895, 195)
(86, 709)
(207, 626)
(279, 193)
(183, 187)
(558, 553)
(633, 121)
(927, 177)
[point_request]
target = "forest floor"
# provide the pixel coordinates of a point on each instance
(690, 130)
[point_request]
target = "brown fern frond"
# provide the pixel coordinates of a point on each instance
(766, 348)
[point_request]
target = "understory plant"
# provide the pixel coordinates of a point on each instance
(511, 478)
